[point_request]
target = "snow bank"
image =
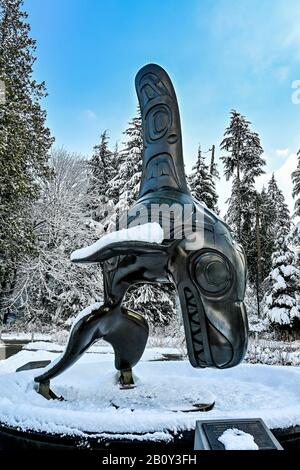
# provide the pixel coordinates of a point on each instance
(44, 346)
(151, 233)
(95, 404)
(25, 336)
(235, 439)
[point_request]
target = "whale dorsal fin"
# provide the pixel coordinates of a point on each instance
(163, 166)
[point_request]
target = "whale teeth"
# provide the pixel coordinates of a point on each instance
(195, 327)
(198, 341)
(188, 294)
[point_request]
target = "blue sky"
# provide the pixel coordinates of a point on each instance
(220, 54)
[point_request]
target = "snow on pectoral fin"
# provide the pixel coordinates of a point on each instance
(135, 239)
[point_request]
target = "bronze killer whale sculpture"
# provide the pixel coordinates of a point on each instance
(210, 279)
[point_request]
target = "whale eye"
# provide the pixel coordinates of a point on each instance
(213, 273)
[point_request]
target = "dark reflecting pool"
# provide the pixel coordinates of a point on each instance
(10, 347)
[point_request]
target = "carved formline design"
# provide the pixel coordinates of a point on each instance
(158, 122)
(161, 169)
(162, 133)
(151, 86)
(195, 327)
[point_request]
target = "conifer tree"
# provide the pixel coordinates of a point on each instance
(294, 236)
(296, 188)
(155, 302)
(281, 303)
(266, 236)
(270, 213)
(202, 183)
(234, 143)
(126, 182)
(293, 240)
(101, 172)
(213, 167)
(257, 244)
(24, 139)
(113, 193)
(243, 163)
(281, 306)
(279, 214)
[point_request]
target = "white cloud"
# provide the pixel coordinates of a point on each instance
(282, 153)
(246, 32)
(293, 36)
(89, 115)
(282, 72)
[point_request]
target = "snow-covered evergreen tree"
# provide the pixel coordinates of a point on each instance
(213, 167)
(294, 235)
(281, 306)
(101, 172)
(243, 162)
(113, 190)
(126, 182)
(234, 143)
(202, 184)
(279, 214)
(265, 231)
(296, 187)
(257, 323)
(115, 187)
(155, 302)
(24, 139)
(271, 213)
(294, 241)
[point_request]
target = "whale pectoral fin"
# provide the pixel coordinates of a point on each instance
(119, 248)
(127, 331)
(83, 334)
(128, 337)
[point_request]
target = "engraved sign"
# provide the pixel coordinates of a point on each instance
(207, 433)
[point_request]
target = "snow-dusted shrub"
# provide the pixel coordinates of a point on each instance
(49, 288)
(155, 302)
(273, 352)
(257, 323)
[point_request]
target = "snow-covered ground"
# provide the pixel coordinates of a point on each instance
(95, 404)
(102, 348)
(24, 336)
